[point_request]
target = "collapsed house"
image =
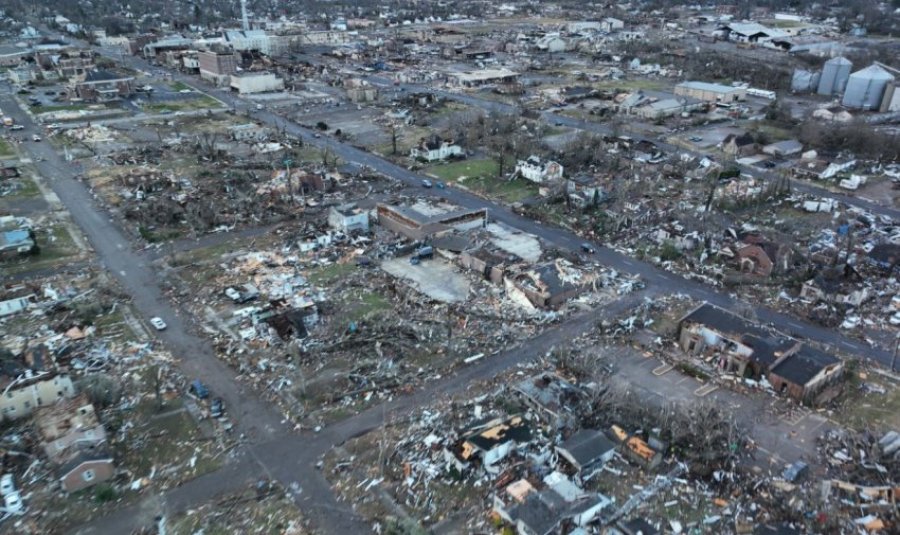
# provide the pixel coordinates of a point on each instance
(493, 440)
(587, 450)
(547, 285)
(746, 350)
(23, 394)
(550, 395)
(541, 512)
(835, 285)
(75, 441)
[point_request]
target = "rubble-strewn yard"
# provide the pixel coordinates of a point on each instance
(262, 508)
(78, 334)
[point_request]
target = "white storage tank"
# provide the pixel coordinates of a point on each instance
(865, 88)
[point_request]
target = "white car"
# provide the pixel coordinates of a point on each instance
(13, 503)
(895, 319)
(35, 138)
(17, 127)
(158, 323)
(850, 322)
(7, 486)
(232, 294)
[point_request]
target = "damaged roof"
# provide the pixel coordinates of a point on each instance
(803, 366)
(587, 446)
(499, 432)
(724, 321)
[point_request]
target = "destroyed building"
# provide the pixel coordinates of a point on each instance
(541, 512)
(102, 86)
(75, 441)
(746, 350)
(424, 220)
(29, 391)
(547, 285)
(587, 450)
(835, 285)
(493, 440)
(551, 396)
(348, 218)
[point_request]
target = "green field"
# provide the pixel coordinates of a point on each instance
(204, 102)
(6, 150)
(632, 85)
(180, 86)
(61, 107)
(481, 176)
(56, 246)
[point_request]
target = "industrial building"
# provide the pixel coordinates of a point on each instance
(866, 88)
(711, 92)
(256, 82)
(217, 65)
(483, 77)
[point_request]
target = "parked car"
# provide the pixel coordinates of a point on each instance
(588, 248)
(198, 389)
(232, 294)
(13, 503)
(850, 322)
(17, 127)
(895, 319)
(217, 408)
(7, 486)
(426, 183)
(158, 323)
(439, 185)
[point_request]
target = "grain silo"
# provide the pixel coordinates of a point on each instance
(834, 76)
(803, 81)
(865, 88)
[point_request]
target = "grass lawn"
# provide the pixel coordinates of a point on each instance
(633, 85)
(775, 133)
(323, 276)
(161, 235)
(863, 411)
(244, 513)
(364, 303)
(407, 138)
(481, 176)
(209, 254)
(6, 150)
(27, 189)
(180, 86)
(167, 438)
(56, 245)
(61, 107)
(204, 102)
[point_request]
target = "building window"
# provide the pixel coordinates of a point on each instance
(87, 475)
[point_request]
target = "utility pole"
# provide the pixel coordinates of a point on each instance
(287, 176)
(896, 347)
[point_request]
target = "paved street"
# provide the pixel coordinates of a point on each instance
(273, 449)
